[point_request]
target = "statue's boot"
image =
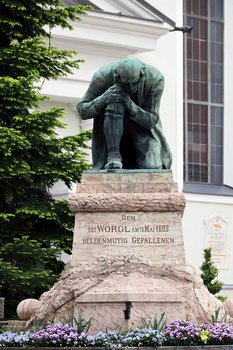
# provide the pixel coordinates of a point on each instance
(113, 131)
(114, 164)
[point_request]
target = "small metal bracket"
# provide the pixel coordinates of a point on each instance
(184, 29)
(128, 306)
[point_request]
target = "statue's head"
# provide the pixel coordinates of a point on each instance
(129, 71)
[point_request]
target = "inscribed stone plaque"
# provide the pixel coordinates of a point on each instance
(216, 229)
(151, 237)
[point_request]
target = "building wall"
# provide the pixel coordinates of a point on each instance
(167, 56)
(228, 79)
(201, 207)
(199, 210)
(168, 59)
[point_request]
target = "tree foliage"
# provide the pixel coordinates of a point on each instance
(34, 228)
(209, 272)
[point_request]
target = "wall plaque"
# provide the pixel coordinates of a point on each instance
(216, 232)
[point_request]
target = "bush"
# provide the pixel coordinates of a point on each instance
(138, 337)
(219, 333)
(13, 339)
(59, 335)
(143, 337)
(107, 340)
(182, 332)
(209, 272)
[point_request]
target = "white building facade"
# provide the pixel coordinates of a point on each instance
(196, 108)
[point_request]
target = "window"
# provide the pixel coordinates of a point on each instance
(203, 92)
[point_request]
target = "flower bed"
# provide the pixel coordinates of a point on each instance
(206, 347)
(178, 333)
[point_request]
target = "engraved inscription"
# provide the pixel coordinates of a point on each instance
(128, 217)
(126, 228)
(132, 240)
(153, 240)
(147, 228)
(132, 230)
(104, 240)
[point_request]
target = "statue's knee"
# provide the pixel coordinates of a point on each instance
(150, 162)
(149, 156)
(155, 164)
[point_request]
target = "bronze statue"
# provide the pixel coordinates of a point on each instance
(123, 98)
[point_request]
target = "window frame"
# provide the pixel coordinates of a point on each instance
(207, 103)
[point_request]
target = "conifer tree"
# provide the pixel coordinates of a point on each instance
(209, 273)
(34, 228)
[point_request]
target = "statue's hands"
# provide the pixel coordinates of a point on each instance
(119, 94)
(115, 94)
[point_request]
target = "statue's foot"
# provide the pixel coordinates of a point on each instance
(114, 164)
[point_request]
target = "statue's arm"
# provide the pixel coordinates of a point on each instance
(148, 115)
(94, 100)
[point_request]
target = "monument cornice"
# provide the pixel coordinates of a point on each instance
(130, 202)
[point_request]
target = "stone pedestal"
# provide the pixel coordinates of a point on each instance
(124, 218)
(133, 215)
(128, 261)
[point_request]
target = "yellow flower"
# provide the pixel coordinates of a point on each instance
(204, 335)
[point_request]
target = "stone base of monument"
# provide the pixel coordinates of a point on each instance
(16, 325)
(128, 262)
(127, 215)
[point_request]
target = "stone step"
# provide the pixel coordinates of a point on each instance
(16, 325)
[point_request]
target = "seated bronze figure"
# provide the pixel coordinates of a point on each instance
(124, 98)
